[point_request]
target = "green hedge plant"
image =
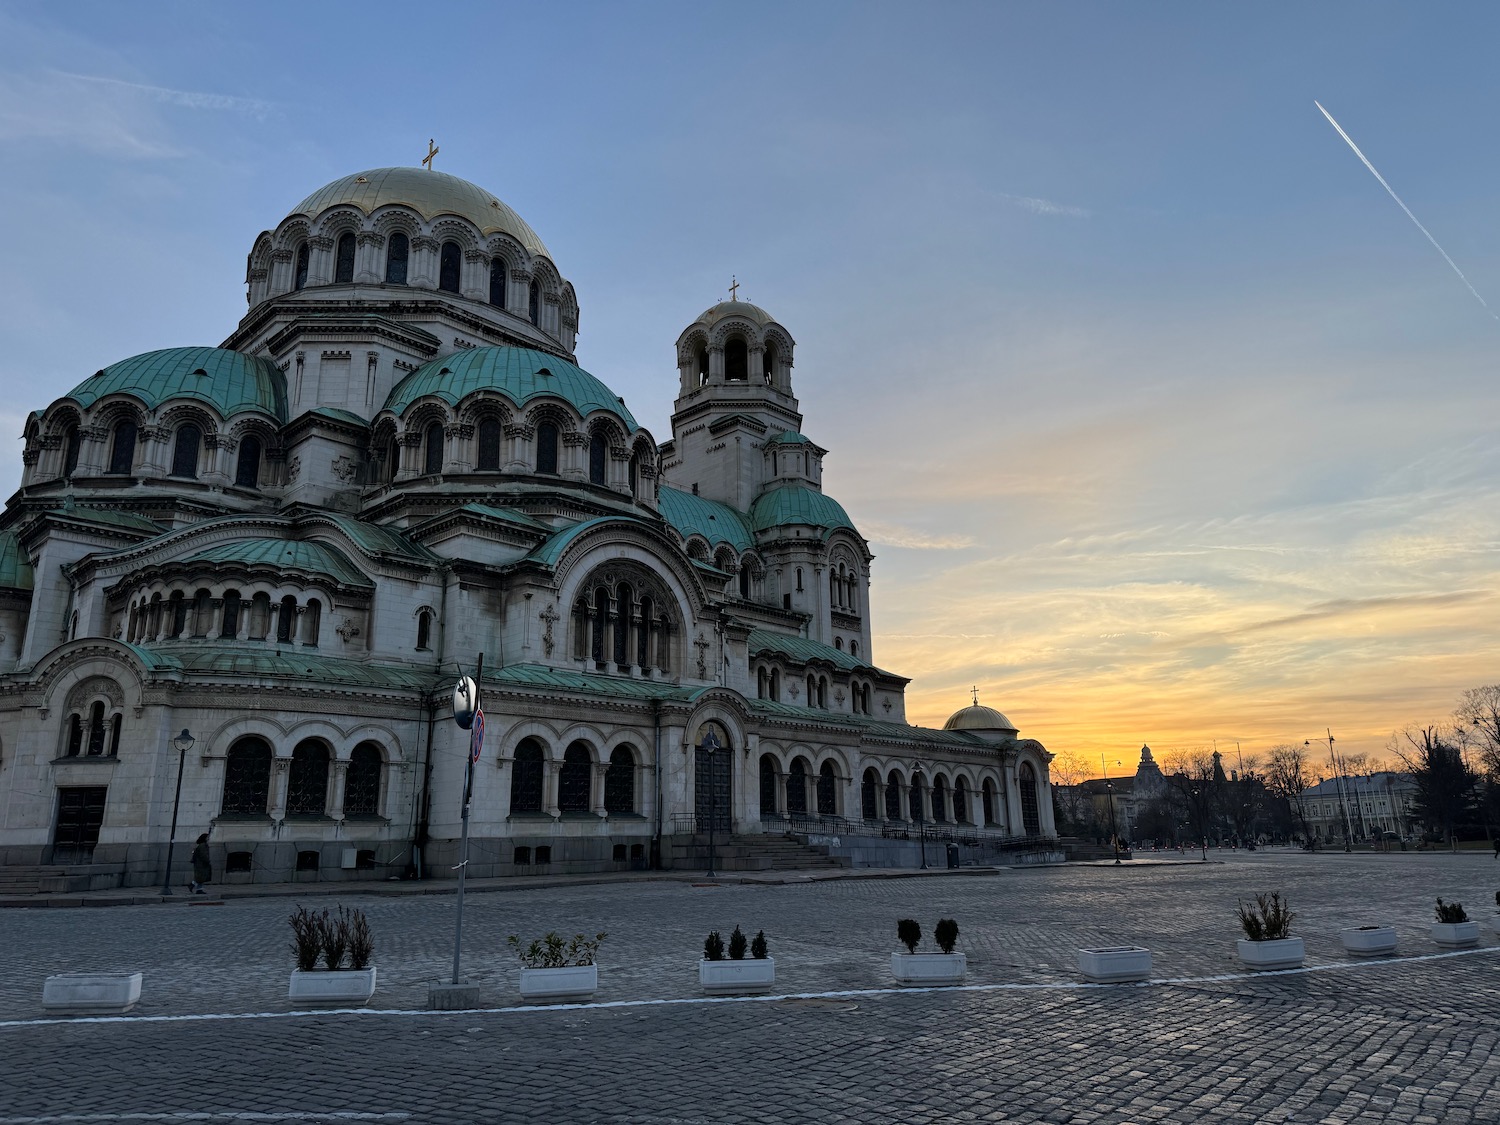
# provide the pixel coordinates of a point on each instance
(1269, 920)
(909, 933)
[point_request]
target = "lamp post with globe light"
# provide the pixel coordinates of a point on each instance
(184, 743)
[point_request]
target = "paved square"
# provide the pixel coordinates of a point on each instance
(1407, 1041)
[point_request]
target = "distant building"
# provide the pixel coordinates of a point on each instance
(1118, 801)
(1374, 803)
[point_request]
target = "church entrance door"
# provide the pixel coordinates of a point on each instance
(713, 795)
(80, 815)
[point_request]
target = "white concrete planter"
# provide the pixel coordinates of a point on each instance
(929, 968)
(1114, 965)
(1495, 921)
(1368, 941)
(332, 988)
(91, 993)
(1266, 956)
(1455, 935)
(737, 978)
(575, 982)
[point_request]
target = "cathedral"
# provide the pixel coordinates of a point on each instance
(238, 583)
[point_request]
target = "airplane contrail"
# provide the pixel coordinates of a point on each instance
(1404, 207)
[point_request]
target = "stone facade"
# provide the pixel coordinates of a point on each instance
(291, 545)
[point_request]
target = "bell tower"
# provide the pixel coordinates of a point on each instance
(734, 404)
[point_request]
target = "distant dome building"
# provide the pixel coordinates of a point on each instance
(290, 545)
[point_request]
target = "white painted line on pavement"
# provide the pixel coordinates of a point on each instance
(246, 1115)
(843, 994)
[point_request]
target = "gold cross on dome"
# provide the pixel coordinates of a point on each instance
(734, 288)
(975, 690)
(432, 150)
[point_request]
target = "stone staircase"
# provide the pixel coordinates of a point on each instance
(48, 879)
(752, 853)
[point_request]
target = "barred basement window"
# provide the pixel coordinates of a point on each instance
(618, 853)
(307, 860)
(544, 854)
(522, 857)
(237, 863)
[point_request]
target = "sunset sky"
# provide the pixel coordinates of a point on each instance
(1165, 423)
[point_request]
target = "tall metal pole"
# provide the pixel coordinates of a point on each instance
(463, 857)
(710, 748)
(1114, 826)
(183, 741)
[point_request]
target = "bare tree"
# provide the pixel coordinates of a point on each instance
(1477, 722)
(1287, 778)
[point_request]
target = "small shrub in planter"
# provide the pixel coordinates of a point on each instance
(321, 936)
(1453, 928)
(556, 968)
(713, 947)
(912, 967)
(737, 976)
(1268, 943)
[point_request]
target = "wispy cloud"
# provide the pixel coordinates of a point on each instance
(894, 535)
(187, 99)
(1038, 206)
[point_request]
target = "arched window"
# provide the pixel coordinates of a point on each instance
(202, 613)
(343, 259)
(854, 649)
(623, 598)
(260, 616)
(643, 635)
(424, 630)
(75, 735)
(702, 366)
(634, 473)
(827, 790)
(534, 303)
(961, 801)
(940, 801)
(395, 259)
(988, 795)
(893, 797)
(1030, 816)
(362, 781)
(762, 682)
(312, 622)
(823, 692)
(96, 730)
(247, 467)
(745, 580)
(767, 785)
(812, 690)
(307, 782)
(526, 778)
(917, 798)
(247, 778)
(796, 787)
(768, 364)
(449, 266)
(392, 459)
(736, 361)
(799, 580)
(498, 272)
(619, 782)
(601, 620)
(838, 643)
(70, 451)
(869, 796)
(775, 685)
(177, 605)
(546, 448)
(229, 627)
(114, 735)
(598, 457)
(489, 444)
(300, 279)
(185, 451)
(122, 449)
(433, 445)
(286, 620)
(573, 781)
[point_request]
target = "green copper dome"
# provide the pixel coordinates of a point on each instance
(520, 374)
(430, 194)
(696, 515)
(798, 504)
(228, 381)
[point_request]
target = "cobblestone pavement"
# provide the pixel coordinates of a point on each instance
(1407, 1041)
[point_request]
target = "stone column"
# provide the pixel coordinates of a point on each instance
(369, 261)
(337, 777)
(1010, 797)
(600, 769)
(550, 776)
(474, 279)
(281, 769)
(319, 260)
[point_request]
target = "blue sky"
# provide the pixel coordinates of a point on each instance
(1165, 423)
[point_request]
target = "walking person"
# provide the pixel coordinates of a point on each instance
(203, 870)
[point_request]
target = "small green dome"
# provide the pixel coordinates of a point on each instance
(696, 515)
(430, 194)
(798, 504)
(230, 382)
(520, 374)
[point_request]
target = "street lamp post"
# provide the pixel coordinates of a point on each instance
(711, 747)
(1202, 821)
(1114, 828)
(1338, 784)
(184, 743)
